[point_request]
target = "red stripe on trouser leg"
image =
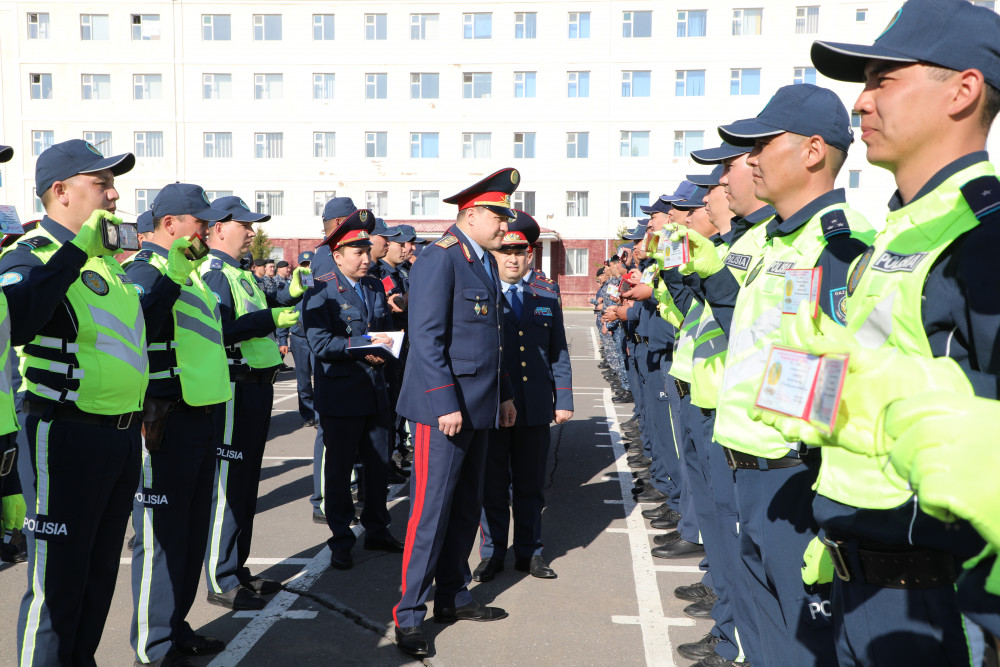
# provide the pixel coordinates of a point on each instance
(421, 447)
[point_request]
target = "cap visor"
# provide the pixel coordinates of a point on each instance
(213, 215)
(500, 210)
(717, 155)
(249, 216)
(669, 199)
(846, 62)
(703, 180)
(118, 164)
(747, 132)
(648, 210)
(687, 204)
(6, 153)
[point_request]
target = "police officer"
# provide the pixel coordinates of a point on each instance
(395, 279)
(144, 225)
(352, 400)
(85, 375)
(183, 422)
(454, 391)
(334, 212)
(410, 241)
(282, 274)
(253, 362)
(516, 458)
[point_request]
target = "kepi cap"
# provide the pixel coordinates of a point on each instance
(339, 207)
(356, 230)
(187, 199)
(76, 156)
(305, 256)
(522, 231)
(493, 192)
(238, 208)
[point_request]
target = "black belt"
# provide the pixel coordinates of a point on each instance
(7, 455)
(683, 388)
(69, 412)
(259, 377)
(747, 462)
(196, 409)
(707, 412)
(891, 566)
(643, 339)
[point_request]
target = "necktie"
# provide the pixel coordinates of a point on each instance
(361, 295)
(514, 298)
(486, 265)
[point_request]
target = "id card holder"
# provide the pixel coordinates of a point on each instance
(801, 285)
(10, 224)
(678, 253)
(306, 279)
(802, 385)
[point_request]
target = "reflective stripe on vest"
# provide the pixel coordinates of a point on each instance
(680, 368)
(710, 345)
(884, 309)
(248, 298)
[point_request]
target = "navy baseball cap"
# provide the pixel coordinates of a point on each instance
(354, 231)
(6, 153)
(684, 191)
(382, 229)
(800, 108)
(638, 232)
(954, 34)
(658, 206)
(695, 200)
(186, 199)
(707, 180)
(144, 223)
(406, 234)
(339, 207)
(305, 256)
(719, 154)
(239, 210)
(76, 156)
(417, 249)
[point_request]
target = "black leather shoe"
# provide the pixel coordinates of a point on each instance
(679, 549)
(319, 517)
(701, 609)
(623, 397)
(238, 599)
(340, 559)
(387, 542)
(13, 553)
(487, 569)
(411, 640)
(702, 648)
(715, 660)
(535, 566)
(666, 522)
(666, 538)
(200, 645)
(642, 462)
(656, 512)
(651, 495)
(470, 612)
(262, 586)
(693, 593)
(643, 475)
(632, 421)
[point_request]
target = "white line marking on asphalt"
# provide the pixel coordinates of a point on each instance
(285, 398)
(296, 614)
(637, 620)
(615, 501)
(604, 446)
(255, 561)
(595, 345)
(288, 458)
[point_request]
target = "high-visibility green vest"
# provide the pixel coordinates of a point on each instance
(684, 343)
(197, 344)
(103, 368)
(757, 325)
(884, 306)
(8, 416)
(247, 298)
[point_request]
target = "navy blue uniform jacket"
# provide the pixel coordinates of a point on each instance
(455, 313)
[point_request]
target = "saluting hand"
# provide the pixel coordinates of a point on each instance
(508, 413)
(451, 423)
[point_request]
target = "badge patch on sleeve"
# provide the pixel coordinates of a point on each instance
(10, 278)
(97, 284)
(246, 286)
(838, 305)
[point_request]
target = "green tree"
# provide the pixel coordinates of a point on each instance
(260, 246)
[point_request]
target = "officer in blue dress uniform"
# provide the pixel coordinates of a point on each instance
(535, 341)
(454, 391)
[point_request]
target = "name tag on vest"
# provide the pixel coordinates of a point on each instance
(779, 268)
(893, 262)
(737, 261)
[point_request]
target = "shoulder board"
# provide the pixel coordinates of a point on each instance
(142, 256)
(547, 281)
(446, 241)
(983, 196)
(326, 277)
(834, 222)
(540, 286)
(215, 264)
(35, 242)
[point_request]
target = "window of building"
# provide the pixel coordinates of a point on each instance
(577, 260)
(631, 203)
(524, 145)
(147, 86)
(323, 86)
(686, 141)
(375, 26)
(690, 83)
(634, 144)
(477, 85)
(148, 144)
(804, 75)
(218, 144)
(269, 144)
(423, 144)
(747, 21)
(95, 27)
(692, 22)
(144, 199)
(855, 120)
(637, 24)
(38, 25)
(744, 81)
(854, 178)
(424, 85)
(577, 144)
(525, 25)
(376, 144)
(41, 140)
(376, 86)
(988, 4)
(424, 202)
(806, 20)
(216, 27)
(524, 200)
(145, 27)
(266, 27)
(99, 140)
(323, 27)
(524, 84)
(217, 86)
(576, 204)
(377, 201)
(579, 25)
(41, 86)
(635, 83)
(476, 144)
(268, 86)
(477, 26)
(320, 198)
(96, 86)
(270, 202)
(324, 144)
(217, 194)
(578, 84)
(424, 26)
(39, 209)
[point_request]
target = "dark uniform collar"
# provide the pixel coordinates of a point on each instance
(388, 267)
(57, 231)
(739, 226)
(235, 263)
(779, 227)
(154, 248)
(717, 239)
(946, 172)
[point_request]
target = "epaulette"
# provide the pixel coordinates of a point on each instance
(142, 256)
(215, 264)
(834, 222)
(544, 280)
(983, 196)
(35, 242)
(543, 287)
(446, 241)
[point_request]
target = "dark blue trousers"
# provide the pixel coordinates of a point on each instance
(665, 470)
(688, 525)
(78, 482)
(170, 516)
(319, 452)
(304, 362)
(515, 481)
(445, 506)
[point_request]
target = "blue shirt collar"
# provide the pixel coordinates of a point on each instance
(225, 257)
(946, 172)
(58, 232)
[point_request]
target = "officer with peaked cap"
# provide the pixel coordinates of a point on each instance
(527, 225)
(334, 212)
(351, 397)
(454, 391)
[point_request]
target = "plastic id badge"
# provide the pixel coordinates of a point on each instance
(613, 291)
(802, 385)
(801, 285)
(9, 222)
(677, 253)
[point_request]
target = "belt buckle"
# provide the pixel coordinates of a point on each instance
(124, 421)
(7, 461)
(681, 391)
(274, 376)
(730, 459)
(837, 556)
